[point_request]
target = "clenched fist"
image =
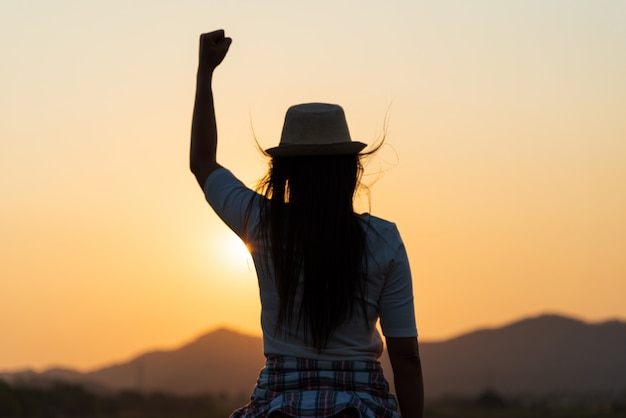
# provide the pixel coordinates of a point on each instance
(213, 48)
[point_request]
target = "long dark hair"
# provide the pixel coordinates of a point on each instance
(309, 230)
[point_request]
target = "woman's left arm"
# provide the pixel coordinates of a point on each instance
(202, 156)
(407, 375)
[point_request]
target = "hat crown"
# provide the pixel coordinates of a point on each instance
(315, 123)
(315, 129)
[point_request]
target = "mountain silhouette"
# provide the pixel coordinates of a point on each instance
(222, 361)
(549, 354)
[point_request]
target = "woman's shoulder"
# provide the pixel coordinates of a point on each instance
(380, 226)
(383, 240)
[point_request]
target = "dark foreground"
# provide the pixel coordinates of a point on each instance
(63, 400)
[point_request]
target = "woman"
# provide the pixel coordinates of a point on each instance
(326, 275)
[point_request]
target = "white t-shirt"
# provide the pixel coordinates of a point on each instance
(389, 284)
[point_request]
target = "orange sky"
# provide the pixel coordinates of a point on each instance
(505, 164)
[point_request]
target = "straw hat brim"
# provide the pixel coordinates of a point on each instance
(295, 150)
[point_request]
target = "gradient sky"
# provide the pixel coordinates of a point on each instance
(504, 165)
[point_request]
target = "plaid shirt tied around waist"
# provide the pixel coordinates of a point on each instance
(319, 388)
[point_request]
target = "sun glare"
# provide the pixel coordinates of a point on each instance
(236, 254)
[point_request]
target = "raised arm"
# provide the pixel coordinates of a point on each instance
(202, 156)
(407, 375)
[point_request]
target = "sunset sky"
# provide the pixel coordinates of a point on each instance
(504, 165)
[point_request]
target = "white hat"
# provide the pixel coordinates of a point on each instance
(315, 129)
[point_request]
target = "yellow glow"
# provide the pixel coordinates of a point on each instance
(234, 255)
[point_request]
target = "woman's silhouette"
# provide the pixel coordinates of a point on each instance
(326, 274)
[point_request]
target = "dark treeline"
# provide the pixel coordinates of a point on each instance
(490, 404)
(67, 400)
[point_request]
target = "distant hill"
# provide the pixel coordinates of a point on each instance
(548, 354)
(221, 361)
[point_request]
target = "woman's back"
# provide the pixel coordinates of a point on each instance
(312, 239)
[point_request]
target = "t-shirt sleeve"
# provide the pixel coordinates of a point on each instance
(232, 201)
(397, 311)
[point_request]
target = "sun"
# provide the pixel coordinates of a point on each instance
(236, 254)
